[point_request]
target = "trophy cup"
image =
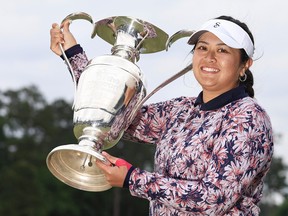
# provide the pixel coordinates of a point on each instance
(107, 96)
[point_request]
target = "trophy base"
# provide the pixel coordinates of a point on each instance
(75, 165)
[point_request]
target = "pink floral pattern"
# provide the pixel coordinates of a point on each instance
(78, 63)
(206, 162)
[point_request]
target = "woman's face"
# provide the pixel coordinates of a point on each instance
(216, 66)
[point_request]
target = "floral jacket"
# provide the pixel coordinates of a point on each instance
(210, 158)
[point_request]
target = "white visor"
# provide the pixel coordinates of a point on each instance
(230, 33)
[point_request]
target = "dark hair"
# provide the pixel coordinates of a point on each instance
(244, 57)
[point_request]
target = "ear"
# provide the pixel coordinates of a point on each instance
(247, 65)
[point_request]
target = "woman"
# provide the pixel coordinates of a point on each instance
(212, 151)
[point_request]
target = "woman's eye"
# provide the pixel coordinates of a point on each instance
(201, 47)
(222, 50)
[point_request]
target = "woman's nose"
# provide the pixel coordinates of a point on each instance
(210, 57)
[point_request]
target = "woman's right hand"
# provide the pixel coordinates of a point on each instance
(61, 34)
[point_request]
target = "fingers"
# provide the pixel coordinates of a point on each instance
(55, 30)
(55, 26)
(104, 166)
(61, 34)
(65, 26)
(56, 37)
(115, 172)
(68, 36)
(119, 162)
(115, 176)
(109, 157)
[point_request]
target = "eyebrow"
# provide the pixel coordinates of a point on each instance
(204, 42)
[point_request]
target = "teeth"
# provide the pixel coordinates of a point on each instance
(210, 69)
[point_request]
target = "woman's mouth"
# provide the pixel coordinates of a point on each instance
(210, 70)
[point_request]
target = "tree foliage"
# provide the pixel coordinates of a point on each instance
(275, 186)
(30, 128)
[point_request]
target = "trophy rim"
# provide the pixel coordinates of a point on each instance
(55, 156)
(154, 41)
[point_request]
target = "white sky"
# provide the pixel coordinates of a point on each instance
(26, 58)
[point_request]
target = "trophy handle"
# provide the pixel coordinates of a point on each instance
(78, 15)
(165, 83)
(178, 35)
(74, 16)
(160, 86)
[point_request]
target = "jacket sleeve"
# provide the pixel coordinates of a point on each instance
(239, 159)
(148, 124)
(77, 59)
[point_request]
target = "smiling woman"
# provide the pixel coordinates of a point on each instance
(212, 151)
(222, 56)
(216, 66)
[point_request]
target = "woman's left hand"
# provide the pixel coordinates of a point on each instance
(116, 171)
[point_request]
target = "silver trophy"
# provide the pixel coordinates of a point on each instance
(107, 96)
(109, 93)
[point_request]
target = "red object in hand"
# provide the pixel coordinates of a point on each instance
(121, 162)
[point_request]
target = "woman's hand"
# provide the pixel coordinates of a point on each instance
(116, 173)
(61, 34)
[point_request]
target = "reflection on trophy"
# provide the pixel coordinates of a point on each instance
(107, 97)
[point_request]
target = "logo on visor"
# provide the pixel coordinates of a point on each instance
(217, 24)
